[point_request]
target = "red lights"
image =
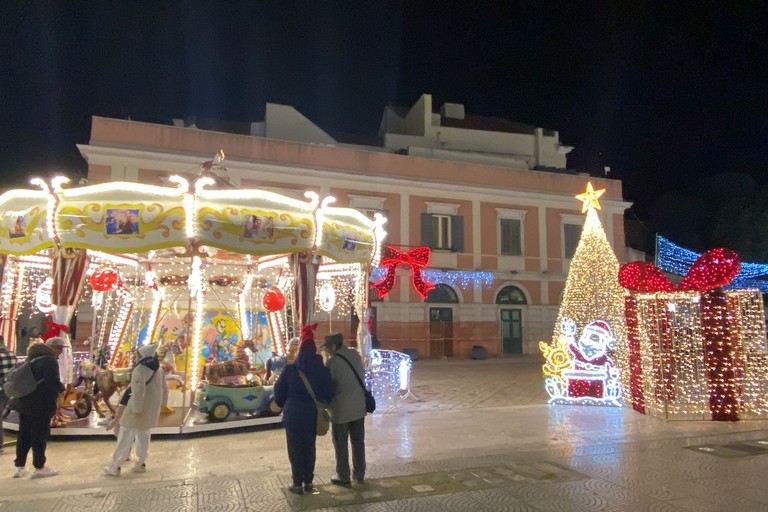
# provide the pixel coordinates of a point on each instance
(713, 269)
(417, 259)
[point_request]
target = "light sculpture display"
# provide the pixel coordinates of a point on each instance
(695, 350)
(583, 360)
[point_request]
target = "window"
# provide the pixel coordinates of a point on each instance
(511, 239)
(442, 228)
(368, 205)
(442, 293)
(511, 295)
(441, 232)
(510, 231)
(571, 236)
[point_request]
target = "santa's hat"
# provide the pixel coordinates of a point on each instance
(600, 327)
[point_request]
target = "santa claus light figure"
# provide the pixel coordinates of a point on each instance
(592, 364)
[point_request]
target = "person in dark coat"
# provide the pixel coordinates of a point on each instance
(299, 410)
(38, 408)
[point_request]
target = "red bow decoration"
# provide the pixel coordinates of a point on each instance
(713, 269)
(54, 330)
(417, 259)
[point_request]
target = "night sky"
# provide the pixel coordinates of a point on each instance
(663, 93)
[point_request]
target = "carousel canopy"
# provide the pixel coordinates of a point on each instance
(135, 218)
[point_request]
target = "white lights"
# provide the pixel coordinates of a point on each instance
(327, 297)
(43, 297)
(185, 256)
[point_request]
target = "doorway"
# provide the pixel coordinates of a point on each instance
(441, 332)
(512, 331)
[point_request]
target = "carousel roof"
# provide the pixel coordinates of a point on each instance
(125, 218)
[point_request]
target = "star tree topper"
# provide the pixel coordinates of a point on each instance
(590, 198)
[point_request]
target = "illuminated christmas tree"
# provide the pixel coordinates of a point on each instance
(582, 362)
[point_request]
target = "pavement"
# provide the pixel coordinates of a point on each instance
(480, 438)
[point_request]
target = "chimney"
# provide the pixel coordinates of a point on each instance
(452, 111)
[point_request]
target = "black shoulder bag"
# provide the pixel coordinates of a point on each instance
(370, 401)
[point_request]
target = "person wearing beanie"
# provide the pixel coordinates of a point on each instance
(139, 411)
(38, 408)
(299, 410)
(347, 410)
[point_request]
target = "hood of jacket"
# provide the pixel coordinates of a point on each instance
(151, 362)
(307, 360)
(39, 349)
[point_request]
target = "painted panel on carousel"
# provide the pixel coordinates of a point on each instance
(347, 235)
(220, 334)
(23, 222)
(122, 217)
(258, 326)
(253, 222)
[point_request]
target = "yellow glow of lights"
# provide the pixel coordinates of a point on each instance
(157, 300)
(330, 270)
(319, 219)
(199, 314)
(122, 186)
(50, 208)
(280, 261)
(590, 198)
(248, 194)
(678, 376)
(243, 309)
(378, 236)
(117, 259)
(181, 182)
(57, 182)
(189, 214)
(35, 259)
(592, 292)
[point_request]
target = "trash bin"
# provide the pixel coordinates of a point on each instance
(478, 352)
(412, 353)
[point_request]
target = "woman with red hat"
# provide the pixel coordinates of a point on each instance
(299, 410)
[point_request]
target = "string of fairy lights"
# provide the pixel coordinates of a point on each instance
(696, 351)
(692, 350)
(678, 260)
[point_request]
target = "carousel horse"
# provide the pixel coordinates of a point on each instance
(86, 374)
(110, 380)
(238, 366)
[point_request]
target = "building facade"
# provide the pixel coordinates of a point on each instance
(492, 199)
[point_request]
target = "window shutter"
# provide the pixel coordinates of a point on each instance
(426, 229)
(457, 233)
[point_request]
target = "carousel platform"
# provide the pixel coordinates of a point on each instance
(180, 422)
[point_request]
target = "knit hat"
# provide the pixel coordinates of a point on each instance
(308, 339)
(334, 338)
(308, 332)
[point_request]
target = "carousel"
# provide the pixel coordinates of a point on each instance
(219, 279)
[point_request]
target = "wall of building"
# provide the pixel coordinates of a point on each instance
(121, 150)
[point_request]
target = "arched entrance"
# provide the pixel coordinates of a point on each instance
(511, 319)
(441, 320)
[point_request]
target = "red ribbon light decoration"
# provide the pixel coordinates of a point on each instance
(54, 330)
(713, 269)
(416, 259)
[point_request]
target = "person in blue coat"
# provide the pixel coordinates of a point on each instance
(299, 410)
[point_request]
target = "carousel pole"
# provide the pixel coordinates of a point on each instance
(186, 407)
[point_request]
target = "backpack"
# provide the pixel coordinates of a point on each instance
(20, 381)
